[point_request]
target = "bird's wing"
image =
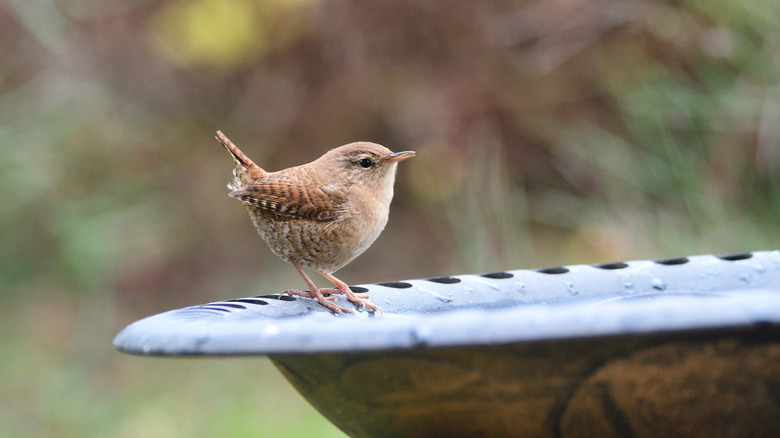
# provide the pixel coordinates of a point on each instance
(286, 196)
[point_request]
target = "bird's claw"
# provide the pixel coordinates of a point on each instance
(363, 304)
(329, 300)
(359, 301)
(295, 292)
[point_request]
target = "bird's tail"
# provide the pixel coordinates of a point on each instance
(244, 165)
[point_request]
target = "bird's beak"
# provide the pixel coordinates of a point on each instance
(400, 156)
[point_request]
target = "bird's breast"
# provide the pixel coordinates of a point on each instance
(357, 227)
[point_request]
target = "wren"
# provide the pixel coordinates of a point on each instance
(320, 215)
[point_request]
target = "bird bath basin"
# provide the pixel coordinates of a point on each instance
(682, 347)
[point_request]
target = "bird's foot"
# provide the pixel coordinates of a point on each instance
(295, 292)
(358, 300)
(317, 295)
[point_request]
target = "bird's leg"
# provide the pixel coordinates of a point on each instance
(343, 288)
(315, 292)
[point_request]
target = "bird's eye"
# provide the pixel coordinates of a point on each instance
(365, 162)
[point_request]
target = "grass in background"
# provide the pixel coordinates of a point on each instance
(60, 382)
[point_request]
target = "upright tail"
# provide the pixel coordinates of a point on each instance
(252, 170)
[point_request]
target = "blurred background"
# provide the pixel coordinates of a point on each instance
(547, 133)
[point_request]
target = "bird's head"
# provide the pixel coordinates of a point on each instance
(368, 164)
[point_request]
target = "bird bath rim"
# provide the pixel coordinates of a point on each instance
(581, 301)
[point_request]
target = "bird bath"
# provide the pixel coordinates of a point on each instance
(687, 347)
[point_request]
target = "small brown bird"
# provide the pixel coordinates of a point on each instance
(322, 214)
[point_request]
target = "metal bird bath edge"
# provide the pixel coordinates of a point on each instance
(681, 347)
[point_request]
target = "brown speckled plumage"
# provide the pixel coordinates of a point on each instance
(322, 214)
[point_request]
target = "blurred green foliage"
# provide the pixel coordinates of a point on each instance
(547, 133)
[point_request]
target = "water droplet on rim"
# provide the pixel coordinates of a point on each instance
(658, 284)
